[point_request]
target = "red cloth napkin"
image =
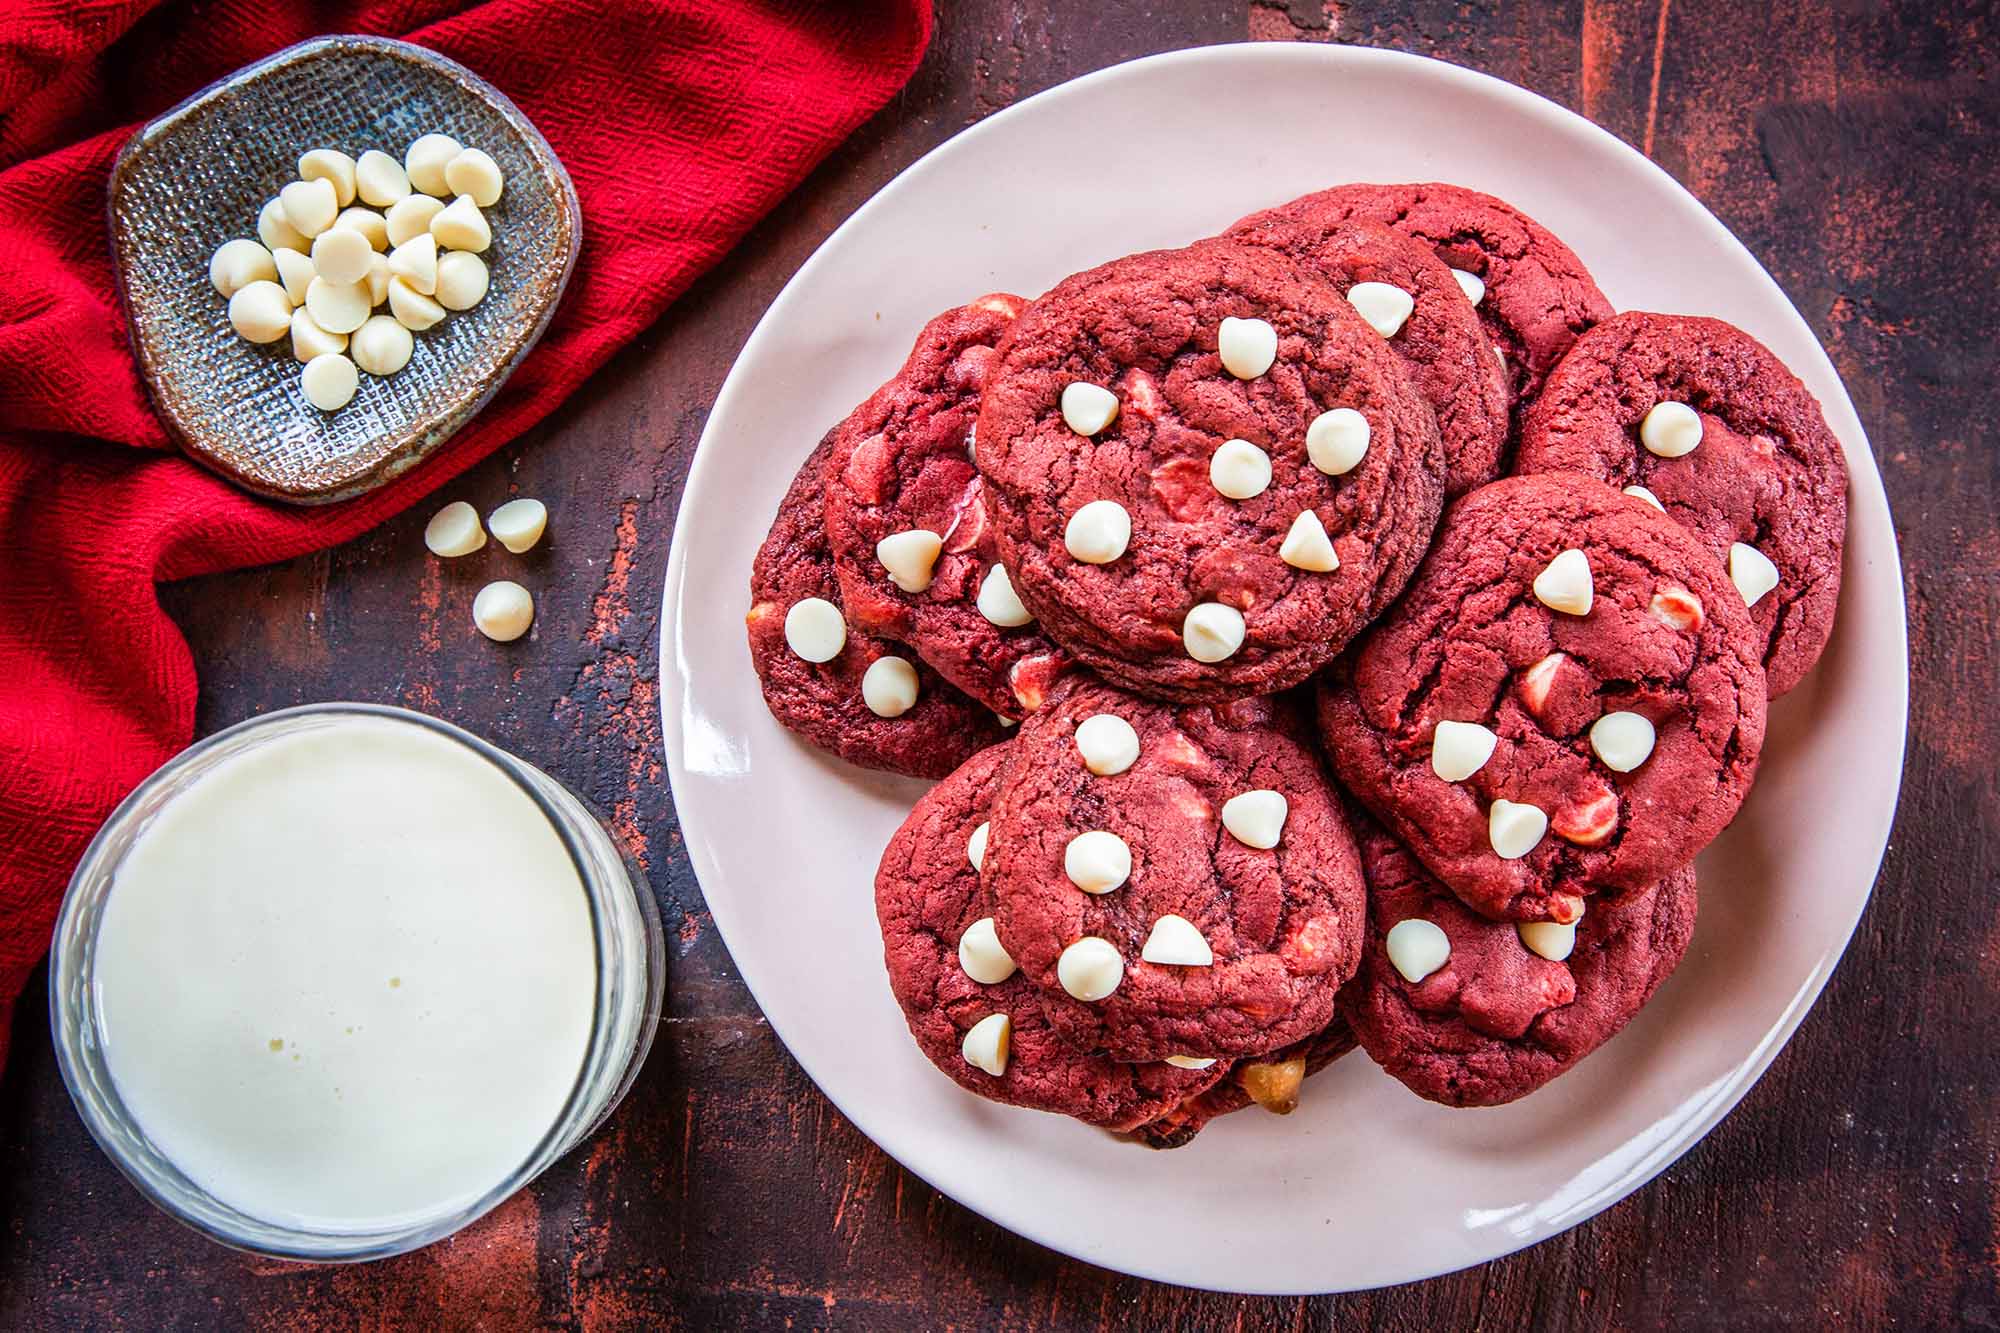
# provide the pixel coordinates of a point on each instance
(682, 122)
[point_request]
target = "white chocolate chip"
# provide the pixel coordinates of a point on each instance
(310, 206)
(381, 346)
(237, 264)
(1417, 948)
(330, 164)
(1306, 545)
(518, 524)
(276, 233)
(975, 846)
(1256, 818)
(1247, 346)
(424, 162)
(1337, 440)
(1565, 585)
(1212, 632)
(380, 179)
(986, 1042)
(462, 280)
(1460, 749)
(412, 309)
(411, 216)
(475, 173)
(1097, 861)
(367, 222)
(998, 601)
(1471, 284)
(1177, 942)
(329, 381)
(1239, 470)
(338, 307)
(310, 340)
(1189, 1061)
(1107, 743)
(1514, 828)
(1751, 571)
(415, 261)
(1385, 307)
(461, 226)
(814, 627)
(454, 530)
(1642, 494)
(889, 687)
(1552, 941)
(1670, 430)
(1088, 408)
(341, 255)
(1677, 608)
(910, 557)
(1098, 533)
(260, 312)
(1090, 969)
(1622, 740)
(378, 281)
(980, 952)
(295, 271)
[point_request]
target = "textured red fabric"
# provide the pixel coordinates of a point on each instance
(682, 122)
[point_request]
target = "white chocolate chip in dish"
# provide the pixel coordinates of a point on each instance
(412, 309)
(981, 954)
(519, 524)
(295, 271)
(975, 846)
(276, 233)
(889, 687)
(1256, 818)
(425, 159)
(474, 173)
(1670, 430)
(310, 340)
(1471, 284)
(998, 601)
(461, 226)
(1337, 440)
(237, 264)
(1088, 408)
(1417, 948)
(1622, 740)
(411, 216)
(1239, 470)
(338, 307)
(1090, 969)
(1752, 572)
(454, 531)
(1212, 632)
(1641, 494)
(910, 557)
(329, 381)
(330, 164)
(260, 312)
(462, 280)
(1177, 942)
(366, 221)
(986, 1043)
(1548, 939)
(1514, 828)
(310, 206)
(814, 627)
(1565, 585)
(1107, 743)
(381, 346)
(1386, 308)
(1189, 1061)
(378, 281)
(341, 255)
(1097, 862)
(380, 179)
(1460, 749)
(415, 261)
(1247, 346)
(1306, 545)
(1098, 533)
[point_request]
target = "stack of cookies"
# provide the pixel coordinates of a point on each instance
(1373, 490)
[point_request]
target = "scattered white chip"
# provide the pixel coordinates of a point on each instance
(260, 312)
(1670, 430)
(411, 216)
(1177, 942)
(1256, 818)
(981, 954)
(381, 346)
(424, 162)
(1090, 969)
(1386, 308)
(1514, 828)
(310, 340)
(366, 221)
(1336, 441)
(1247, 346)
(378, 280)
(310, 206)
(461, 226)
(814, 627)
(1107, 743)
(276, 233)
(475, 173)
(1565, 585)
(329, 381)
(341, 255)
(454, 530)
(338, 307)
(1088, 408)
(889, 687)
(1751, 571)
(330, 164)
(1641, 493)
(1306, 545)
(986, 1042)
(1239, 470)
(412, 309)
(461, 281)
(1417, 948)
(1471, 284)
(1190, 1061)
(910, 557)
(998, 601)
(1098, 533)
(415, 261)
(975, 846)
(1097, 861)
(1552, 941)
(519, 524)
(1212, 632)
(295, 271)
(380, 179)
(1460, 749)
(237, 264)
(1622, 740)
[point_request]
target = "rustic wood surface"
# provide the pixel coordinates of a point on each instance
(1854, 146)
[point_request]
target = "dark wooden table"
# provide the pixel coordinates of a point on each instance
(1854, 146)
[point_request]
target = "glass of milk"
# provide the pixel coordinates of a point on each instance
(338, 980)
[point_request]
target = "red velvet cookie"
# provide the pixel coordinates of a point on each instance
(1537, 296)
(824, 700)
(1431, 325)
(1224, 904)
(1273, 1080)
(1187, 548)
(1729, 442)
(926, 897)
(1494, 1018)
(1533, 755)
(902, 464)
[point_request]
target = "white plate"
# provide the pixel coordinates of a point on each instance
(1365, 1185)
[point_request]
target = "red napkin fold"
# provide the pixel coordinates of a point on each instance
(681, 121)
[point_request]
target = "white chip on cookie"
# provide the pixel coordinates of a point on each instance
(1090, 969)
(1247, 347)
(910, 557)
(1212, 632)
(889, 687)
(998, 601)
(986, 1044)
(1549, 939)
(1098, 861)
(1460, 749)
(814, 629)
(1239, 470)
(1337, 440)
(981, 954)
(1751, 571)
(1107, 743)
(1514, 828)
(1416, 948)
(975, 845)
(1386, 307)
(1670, 430)
(1623, 740)
(1088, 408)
(1471, 284)
(1565, 584)
(1306, 545)
(1099, 532)
(1177, 942)
(1256, 818)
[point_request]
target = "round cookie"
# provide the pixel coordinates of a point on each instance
(823, 701)
(1496, 1020)
(1441, 342)
(926, 895)
(1530, 814)
(1280, 924)
(902, 462)
(1538, 296)
(1767, 471)
(1276, 1084)
(1253, 571)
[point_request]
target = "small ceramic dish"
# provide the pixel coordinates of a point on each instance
(198, 175)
